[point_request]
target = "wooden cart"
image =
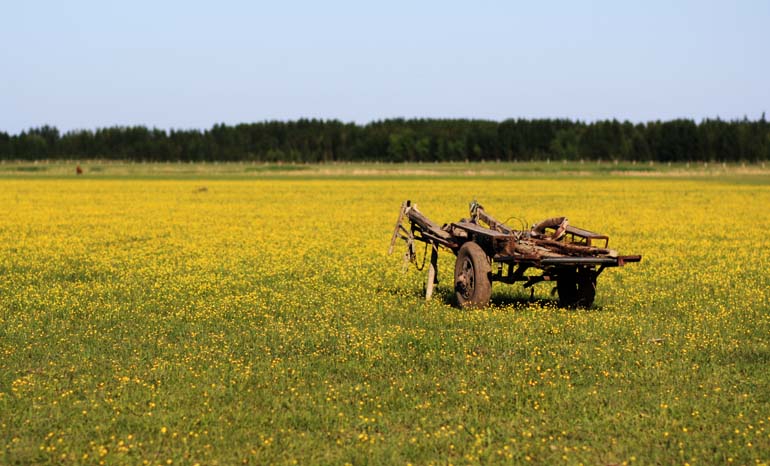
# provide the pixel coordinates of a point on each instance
(489, 251)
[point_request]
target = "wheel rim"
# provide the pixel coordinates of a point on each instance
(468, 279)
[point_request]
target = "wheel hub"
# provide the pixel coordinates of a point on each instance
(467, 279)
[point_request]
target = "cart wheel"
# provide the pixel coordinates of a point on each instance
(576, 288)
(473, 286)
(586, 288)
(566, 287)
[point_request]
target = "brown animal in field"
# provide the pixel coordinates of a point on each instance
(78, 170)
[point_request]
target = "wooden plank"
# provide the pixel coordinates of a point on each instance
(479, 230)
(432, 272)
(436, 239)
(425, 223)
(398, 227)
(585, 233)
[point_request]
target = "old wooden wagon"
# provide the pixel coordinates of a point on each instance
(489, 251)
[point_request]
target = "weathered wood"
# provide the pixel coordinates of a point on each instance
(493, 223)
(440, 241)
(474, 228)
(504, 244)
(573, 249)
(432, 272)
(398, 227)
(559, 255)
(425, 223)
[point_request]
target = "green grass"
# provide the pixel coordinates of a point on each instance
(29, 168)
(260, 321)
(248, 170)
(276, 168)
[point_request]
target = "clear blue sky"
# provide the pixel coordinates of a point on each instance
(190, 64)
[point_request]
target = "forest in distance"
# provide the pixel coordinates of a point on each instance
(405, 140)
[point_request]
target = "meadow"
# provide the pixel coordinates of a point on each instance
(153, 315)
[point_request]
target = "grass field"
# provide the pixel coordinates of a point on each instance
(246, 170)
(153, 315)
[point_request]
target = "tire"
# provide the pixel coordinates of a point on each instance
(473, 285)
(576, 288)
(586, 288)
(566, 288)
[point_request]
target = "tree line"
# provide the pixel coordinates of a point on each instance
(406, 140)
